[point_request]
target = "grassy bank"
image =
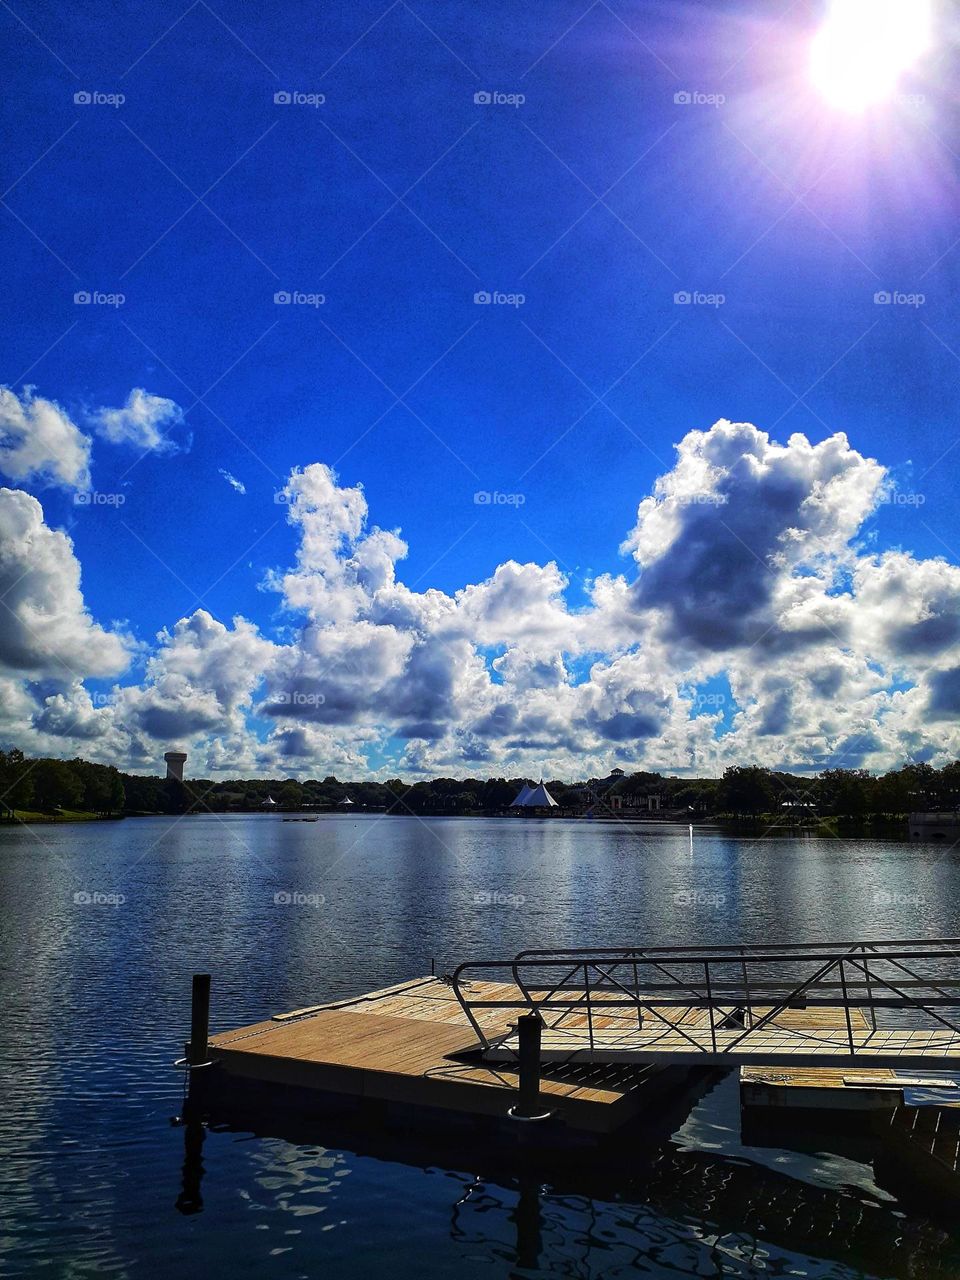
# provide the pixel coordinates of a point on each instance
(62, 815)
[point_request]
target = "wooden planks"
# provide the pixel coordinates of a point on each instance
(396, 1045)
(399, 1045)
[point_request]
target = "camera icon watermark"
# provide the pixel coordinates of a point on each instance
(96, 898)
(694, 98)
(294, 98)
(94, 498)
(97, 298)
(497, 898)
(495, 298)
(699, 898)
(494, 98)
(902, 498)
(700, 500)
(494, 498)
(94, 98)
(296, 298)
(897, 298)
(694, 298)
(297, 698)
(298, 898)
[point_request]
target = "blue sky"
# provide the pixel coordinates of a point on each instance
(599, 197)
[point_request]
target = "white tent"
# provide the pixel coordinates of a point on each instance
(540, 798)
(537, 797)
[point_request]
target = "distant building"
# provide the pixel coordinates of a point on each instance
(175, 762)
(269, 803)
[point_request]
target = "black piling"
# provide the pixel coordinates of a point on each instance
(199, 1019)
(197, 1046)
(528, 1040)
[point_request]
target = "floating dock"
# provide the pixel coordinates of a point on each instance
(411, 1046)
(589, 1040)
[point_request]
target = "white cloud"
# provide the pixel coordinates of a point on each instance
(45, 627)
(145, 422)
(39, 442)
(748, 572)
(233, 481)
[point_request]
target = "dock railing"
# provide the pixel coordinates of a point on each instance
(741, 986)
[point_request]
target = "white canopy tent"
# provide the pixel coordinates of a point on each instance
(537, 797)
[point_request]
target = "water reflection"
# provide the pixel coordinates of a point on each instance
(681, 1213)
(94, 1179)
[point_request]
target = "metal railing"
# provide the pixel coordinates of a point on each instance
(742, 987)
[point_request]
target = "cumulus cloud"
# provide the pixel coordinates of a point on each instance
(748, 576)
(45, 627)
(39, 442)
(741, 539)
(232, 481)
(145, 422)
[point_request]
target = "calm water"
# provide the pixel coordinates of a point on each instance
(103, 925)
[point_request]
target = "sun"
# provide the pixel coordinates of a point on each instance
(864, 47)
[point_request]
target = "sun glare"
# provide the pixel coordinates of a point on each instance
(864, 47)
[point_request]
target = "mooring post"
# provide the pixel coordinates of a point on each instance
(199, 1019)
(196, 1047)
(528, 1038)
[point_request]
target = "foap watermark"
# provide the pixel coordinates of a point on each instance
(295, 98)
(495, 98)
(911, 101)
(899, 498)
(94, 498)
(701, 499)
(694, 298)
(94, 98)
(495, 298)
(709, 700)
(98, 898)
(97, 298)
(298, 898)
(897, 298)
(297, 698)
(296, 298)
(694, 98)
(497, 898)
(494, 498)
(884, 899)
(699, 898)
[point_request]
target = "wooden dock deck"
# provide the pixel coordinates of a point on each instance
(820, 1043)
(410, 1044)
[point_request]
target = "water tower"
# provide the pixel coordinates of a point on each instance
(175, 762)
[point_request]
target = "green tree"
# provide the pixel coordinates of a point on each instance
(57, 785)
(16, 781)
(745, 789)
(844, 792)
(290, 795)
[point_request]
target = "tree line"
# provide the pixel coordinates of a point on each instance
(49, 785)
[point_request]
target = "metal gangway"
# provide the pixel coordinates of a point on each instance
(882, 1004)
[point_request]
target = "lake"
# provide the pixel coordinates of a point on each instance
(104, 923)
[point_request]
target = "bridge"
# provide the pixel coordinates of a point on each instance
(867, 1004)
